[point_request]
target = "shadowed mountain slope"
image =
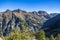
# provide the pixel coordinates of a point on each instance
(52, 26)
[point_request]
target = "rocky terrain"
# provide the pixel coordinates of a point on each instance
(33, 20)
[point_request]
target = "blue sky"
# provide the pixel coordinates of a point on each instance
(51, 6)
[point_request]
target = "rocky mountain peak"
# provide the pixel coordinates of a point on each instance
(17, 10)
(42, 12)
(7, 10)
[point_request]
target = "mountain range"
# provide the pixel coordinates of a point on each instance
(33, 20)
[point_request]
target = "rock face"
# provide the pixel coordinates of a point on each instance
(52, 26)
(45, 14)
(33, 20)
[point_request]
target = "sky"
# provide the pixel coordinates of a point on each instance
(50, 6)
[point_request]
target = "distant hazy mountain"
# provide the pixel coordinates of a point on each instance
(33, 20)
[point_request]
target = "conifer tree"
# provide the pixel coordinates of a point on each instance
(47, 38)
(40, 35)
(52, 37)
(25, 34)
(57, 37)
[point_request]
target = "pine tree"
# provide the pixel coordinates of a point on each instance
(57, 37)
(25, 34)
(52, 37)
(40, 35)
(47, 38)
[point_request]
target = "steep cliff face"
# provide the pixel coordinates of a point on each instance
(10, 19)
